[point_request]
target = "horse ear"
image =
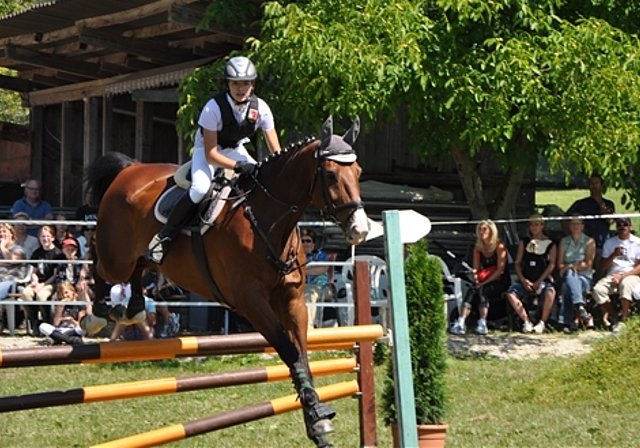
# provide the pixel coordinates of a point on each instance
(326, 133)
(352, 134)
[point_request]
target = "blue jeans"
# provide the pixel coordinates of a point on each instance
(574, 286)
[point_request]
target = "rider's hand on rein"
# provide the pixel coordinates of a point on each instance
(243, 167)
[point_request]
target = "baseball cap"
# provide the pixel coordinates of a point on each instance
(69, 242)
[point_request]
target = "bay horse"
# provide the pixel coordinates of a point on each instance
(253, 252)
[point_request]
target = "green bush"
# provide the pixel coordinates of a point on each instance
(427, 338)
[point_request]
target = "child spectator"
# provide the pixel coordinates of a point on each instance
(29, 242)
(66, 318)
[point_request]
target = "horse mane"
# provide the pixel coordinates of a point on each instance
(287, 152)
(101, 173)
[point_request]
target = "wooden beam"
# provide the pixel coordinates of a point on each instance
(107, 124)
(189, 16)
(48, 80)
(68, 123)
(152, 49)
(39, 59)
(37, 142)
(90, 140)
(144, 130)
(15, 84)
(156, 96)
(129, 15)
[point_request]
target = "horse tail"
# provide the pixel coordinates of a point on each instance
(103, 171)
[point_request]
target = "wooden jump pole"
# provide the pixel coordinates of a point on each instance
(162, 386)
(179, 347)
(227, 419)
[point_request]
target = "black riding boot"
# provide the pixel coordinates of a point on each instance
(160, 243)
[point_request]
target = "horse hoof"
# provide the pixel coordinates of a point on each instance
(119, 314)
(92, 324)
(322, 427)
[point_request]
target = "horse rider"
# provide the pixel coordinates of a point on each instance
(226, 123)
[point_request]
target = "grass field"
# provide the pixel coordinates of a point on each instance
(586, 401)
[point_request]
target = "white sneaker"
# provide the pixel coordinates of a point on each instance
(539, 328)
(458, 329)
(527, 327)
(482, 327)
(618, 328)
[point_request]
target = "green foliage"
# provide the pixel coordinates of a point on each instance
(427, 336)
(11, 110)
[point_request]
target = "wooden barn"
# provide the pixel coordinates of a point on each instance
(102, 76)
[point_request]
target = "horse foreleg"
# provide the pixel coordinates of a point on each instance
(135, 312)
(317, 415)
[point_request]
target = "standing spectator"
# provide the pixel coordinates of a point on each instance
(32, 205)
(28, 242)
(159, 287)
(85, 212)
(317, 277)
(65, 326)
(621, 262)
(44, 276)
(490, 276)
(62, 230)
(595, 204)
(576, 253)
(535, 261)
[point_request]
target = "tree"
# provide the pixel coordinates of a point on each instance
(481, 80)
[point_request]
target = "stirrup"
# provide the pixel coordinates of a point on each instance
(156, 250)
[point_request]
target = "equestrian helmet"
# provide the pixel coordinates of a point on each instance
(240, 68)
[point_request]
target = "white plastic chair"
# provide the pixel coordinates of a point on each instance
(454, 299)
(378, 286)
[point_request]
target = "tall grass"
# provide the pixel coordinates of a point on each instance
(587, 401)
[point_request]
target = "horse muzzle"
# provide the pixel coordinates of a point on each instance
(357, 227)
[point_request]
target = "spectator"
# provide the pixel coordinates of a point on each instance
(44, 276)
(161, 288)
(595, 204)
(84, 240)
(490, 276)
(576, 253)
(621, 262)
(535, 261)
(85, 212)
(62, 230)
(32, 205)
(120, 295)
(66, 318)
(28, 242)
(7, 240)
(317, 277)
(13, 275)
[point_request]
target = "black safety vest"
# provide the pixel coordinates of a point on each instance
(533, 265)
(232, 131)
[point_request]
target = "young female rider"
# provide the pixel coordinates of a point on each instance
(226, 122)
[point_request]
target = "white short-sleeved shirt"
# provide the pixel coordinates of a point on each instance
(627, 261)
(211, 118)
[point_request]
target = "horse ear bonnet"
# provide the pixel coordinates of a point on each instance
(336, 148)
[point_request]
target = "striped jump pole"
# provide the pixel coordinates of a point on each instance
(231, 418)
(163, 386)
(179, 347)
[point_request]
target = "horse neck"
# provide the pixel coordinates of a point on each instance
(288, 180)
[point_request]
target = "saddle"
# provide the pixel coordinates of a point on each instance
(209, 208)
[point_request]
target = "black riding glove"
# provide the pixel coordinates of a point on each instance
(244, 168)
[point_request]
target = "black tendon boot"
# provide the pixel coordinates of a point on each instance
(160, 243)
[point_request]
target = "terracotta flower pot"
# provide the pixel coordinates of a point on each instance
(429, 436)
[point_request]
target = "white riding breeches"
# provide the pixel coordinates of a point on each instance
(202, 172)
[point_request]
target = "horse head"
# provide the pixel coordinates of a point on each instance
(339, 190)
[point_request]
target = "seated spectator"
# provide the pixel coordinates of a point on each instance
(65, 327)
(29, 242)
(33, 205)
(161, 289)
(85, 240)
(12, 276)
(120, 295)
(43, 278)
(490, 276)
(534, 263)
(576, 253)
(7, 240)
(621, 262)
(317, 277)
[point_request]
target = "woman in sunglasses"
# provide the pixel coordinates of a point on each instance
(317, 276)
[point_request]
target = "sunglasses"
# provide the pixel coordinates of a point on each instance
(307, 240)
(623, 224)
(90, 230)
